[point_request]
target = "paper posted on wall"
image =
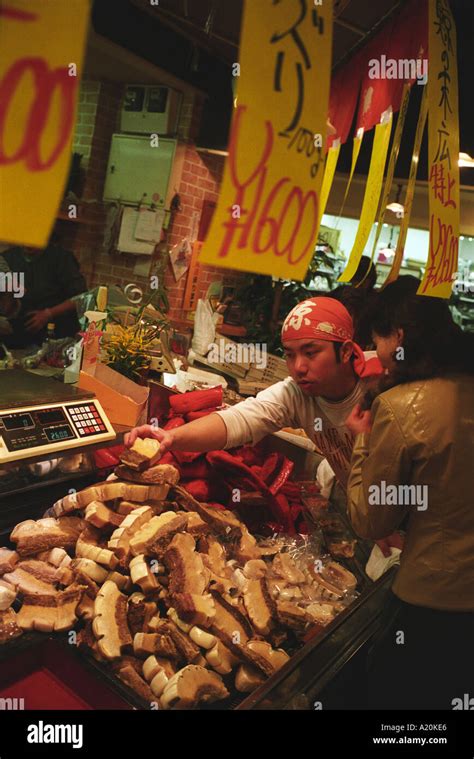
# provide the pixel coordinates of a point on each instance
(127, 242)
(149, 224)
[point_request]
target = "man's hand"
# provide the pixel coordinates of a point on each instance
(206, 434)
(36, 320)
(148, 430)
(359, 421)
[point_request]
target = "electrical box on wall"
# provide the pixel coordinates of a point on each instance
(150, 109)
(139, 169)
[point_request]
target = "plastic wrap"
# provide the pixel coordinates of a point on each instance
(304, 580)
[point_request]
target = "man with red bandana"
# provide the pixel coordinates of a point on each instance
(329, 375)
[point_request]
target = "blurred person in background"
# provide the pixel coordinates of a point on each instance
(9, 304)
(357, 297)
(51, 277)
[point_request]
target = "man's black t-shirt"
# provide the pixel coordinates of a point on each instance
(50, 277)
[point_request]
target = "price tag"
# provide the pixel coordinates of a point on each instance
(42, 45)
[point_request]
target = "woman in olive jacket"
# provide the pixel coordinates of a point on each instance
(413, 460)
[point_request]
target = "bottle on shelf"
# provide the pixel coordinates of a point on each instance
(50, 331)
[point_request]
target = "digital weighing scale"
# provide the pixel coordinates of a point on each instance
(39, 415)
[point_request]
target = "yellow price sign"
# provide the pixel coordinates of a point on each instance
(329, 171)
(370, 203)
(443, 153)
(356, 143)
(41, 52)
(267, 217)
(410, 193)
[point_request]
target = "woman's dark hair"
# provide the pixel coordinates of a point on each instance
(357, 302)
(433, 345)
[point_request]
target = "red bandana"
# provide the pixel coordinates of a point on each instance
(327, 319)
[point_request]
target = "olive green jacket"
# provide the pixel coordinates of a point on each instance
(421, 442)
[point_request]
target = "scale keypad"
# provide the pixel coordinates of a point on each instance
(86, 419)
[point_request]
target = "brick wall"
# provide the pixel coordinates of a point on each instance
(200, 180)
(85, 121)
(98, 108)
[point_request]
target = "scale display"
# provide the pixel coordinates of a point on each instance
(63, 432)
(18, 421)
(52, 428)
(51, 416)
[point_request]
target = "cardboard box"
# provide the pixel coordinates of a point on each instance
(123, 401)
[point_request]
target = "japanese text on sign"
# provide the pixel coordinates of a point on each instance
(443, 150)
(41, 48)
(267, 217)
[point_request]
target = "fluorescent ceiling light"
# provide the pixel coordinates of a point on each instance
(465, 161)
(213, 151)
(395, 207)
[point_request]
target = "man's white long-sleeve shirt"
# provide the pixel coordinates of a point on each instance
(285, 405)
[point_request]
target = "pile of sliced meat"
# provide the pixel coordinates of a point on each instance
(175, 595)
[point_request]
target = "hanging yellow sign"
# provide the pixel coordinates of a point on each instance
(356, 143)
(329, 171)
(371, 197)
(402, 236)
(41, 51)
(397, 137)
(443, 153)
(267, 216)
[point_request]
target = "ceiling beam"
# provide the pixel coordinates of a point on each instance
(188, 29)
(352, 27)
(368, 34)
(138, 67)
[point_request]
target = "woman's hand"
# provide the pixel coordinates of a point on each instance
(395, 540)
(36, 320)
(148, 430)
(359, 421)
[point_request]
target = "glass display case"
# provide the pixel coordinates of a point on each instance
(327, 671)
(28, 489)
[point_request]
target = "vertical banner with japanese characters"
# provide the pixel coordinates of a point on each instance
(356, 143)
(329, 171)
(371, 200)
(266, 219)
(443, 153)
(392, 161)
(410, 193)
(41, 51)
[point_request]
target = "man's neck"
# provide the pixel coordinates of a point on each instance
(343, 389)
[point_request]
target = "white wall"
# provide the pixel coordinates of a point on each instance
(416, 247)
